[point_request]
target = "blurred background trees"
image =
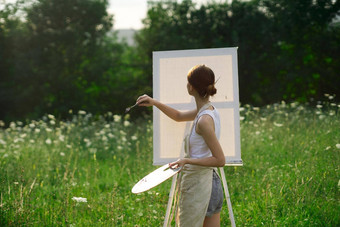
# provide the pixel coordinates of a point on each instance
(287, 49)
(62, 55)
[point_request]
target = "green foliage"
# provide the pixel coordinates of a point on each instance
(61, 58)
(290, 175)
(62, 55)
(287, 49)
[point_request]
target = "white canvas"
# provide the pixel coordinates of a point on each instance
(170, 70)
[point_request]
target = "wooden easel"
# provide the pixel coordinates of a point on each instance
(226, 192)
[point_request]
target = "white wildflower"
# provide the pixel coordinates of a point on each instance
(293, 104)
(69, 146)
(319, 106)
(48, 141)
(257, 132)
(88, 143)
(119, 148)
(12, 125)
(86, 140)
(330, 97)
(327, 148)
(79, 199)
(81, 112)
(16, 140)
(337, 145)
(62, 154)
(133, 137)
(2, 124)
(23, 135)
(32, 141)
(126, 123)
(2, 142)
(110, 135)
(256, 108)
(241, 109)
(278, 124)
(283, 103)
(50, 116)
(62, 138)
(37, 130)
(104, 138)
(117, 118)
(241, 118)
(107, 126)
(122, 132)
(48, 130)
(31, 125)
(52, 122)
(102, 132)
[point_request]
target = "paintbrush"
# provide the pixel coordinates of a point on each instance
(130, 107)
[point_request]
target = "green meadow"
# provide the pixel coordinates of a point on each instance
(80, 172)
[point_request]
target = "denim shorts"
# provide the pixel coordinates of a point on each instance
(216, 198)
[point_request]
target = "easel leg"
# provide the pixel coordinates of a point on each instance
(226, 191)
(171, 197)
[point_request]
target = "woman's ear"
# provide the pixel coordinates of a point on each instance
(190, 88)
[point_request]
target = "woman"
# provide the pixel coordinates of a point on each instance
(201, 194)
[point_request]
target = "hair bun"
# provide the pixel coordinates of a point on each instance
(211, 90)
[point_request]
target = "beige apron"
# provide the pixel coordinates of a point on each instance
(195, 191)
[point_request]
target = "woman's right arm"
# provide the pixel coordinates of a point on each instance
(174, 114)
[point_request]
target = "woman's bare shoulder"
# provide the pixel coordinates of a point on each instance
(205, 124)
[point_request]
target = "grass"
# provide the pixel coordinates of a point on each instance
(290, 175)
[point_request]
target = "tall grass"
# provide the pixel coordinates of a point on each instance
(290, 175)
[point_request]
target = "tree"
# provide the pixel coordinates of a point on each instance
(12, 37)
(59, 58)
(301, 28)
(65, 43)
(280, 52)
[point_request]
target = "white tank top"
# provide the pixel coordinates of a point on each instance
(197, 146)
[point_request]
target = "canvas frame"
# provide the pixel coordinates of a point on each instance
(170, 70)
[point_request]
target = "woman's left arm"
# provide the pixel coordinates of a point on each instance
(205, 128)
